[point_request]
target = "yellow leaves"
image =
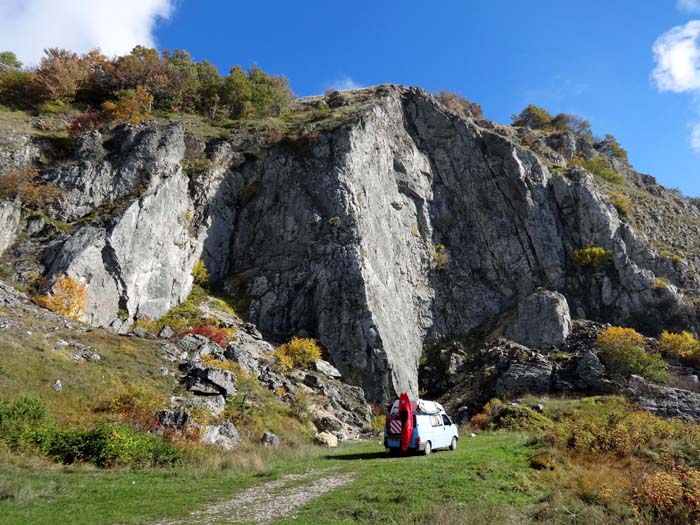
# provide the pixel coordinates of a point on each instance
(67, 297)
(592, 256)
(132, 106)
(616, 338)
(213, 362)
(298, 353)
(682, 346)
(200, 273)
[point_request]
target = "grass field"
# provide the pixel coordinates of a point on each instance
(486, 480)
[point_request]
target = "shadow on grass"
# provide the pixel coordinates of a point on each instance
(362, 455)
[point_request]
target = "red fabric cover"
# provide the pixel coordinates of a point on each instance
(406, 417)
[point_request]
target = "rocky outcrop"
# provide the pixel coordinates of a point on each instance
(664, 401)
(542, 322)
(393, 228)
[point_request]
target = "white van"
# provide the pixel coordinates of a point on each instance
(432, 429)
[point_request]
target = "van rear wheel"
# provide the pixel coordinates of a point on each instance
(428, 449)
(453, 444)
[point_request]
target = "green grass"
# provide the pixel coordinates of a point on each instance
(487, 472)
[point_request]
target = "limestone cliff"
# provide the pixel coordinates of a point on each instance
(389, 226)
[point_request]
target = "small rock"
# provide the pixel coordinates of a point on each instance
(327, 439)
(327, 369)
(270, 440)
(225, 435)
(61, 343)
(164, 371)
(57, 386)
(539, 407)
(173, 419)
(166, 332)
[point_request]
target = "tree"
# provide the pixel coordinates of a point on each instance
(611, 147)
(8, 60)
(237, 93)
(132, 106)
(209, 88)
(459, 104)
(533, 117)
(59, 75)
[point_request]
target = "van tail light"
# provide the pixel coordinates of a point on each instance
(417, 441)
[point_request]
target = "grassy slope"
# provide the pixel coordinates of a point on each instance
(487, 476)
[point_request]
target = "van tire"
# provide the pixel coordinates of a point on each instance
(453, 444)
(428, 449)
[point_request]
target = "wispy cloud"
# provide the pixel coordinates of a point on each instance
(115, 26)
(689, 6)
(344, 83)
(677, 56)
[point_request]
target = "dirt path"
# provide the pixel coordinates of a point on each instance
(267, 502)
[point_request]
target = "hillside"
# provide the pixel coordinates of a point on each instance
(221, 284)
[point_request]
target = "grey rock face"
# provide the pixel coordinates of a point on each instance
(665, 401)
(224, 435)
(10, 214)
(327, 369)
(542, 322)
(404, 225)
(16, 151)
(530, 373)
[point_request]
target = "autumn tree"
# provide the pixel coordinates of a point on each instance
(459, 104)
(132, 106)
(59, 75)
(533, 117)
(67, 297)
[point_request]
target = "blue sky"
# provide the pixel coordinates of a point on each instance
(594, 58)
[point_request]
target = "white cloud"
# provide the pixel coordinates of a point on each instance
(695, 137)
(677, 55)
(114, 26)
(689, 6)
(345, 83)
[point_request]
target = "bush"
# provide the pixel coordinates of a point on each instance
(137, 405)
(132, 106)
(623, 353)
(298, 353)
(67, 297)
(593, 256)
(217, 335)
(440, 256)
(459, 104)
(622, 204)
(682, 346)
(23, 184)
(89, 120)
(533, 117)
(200, 273)
(600, 166)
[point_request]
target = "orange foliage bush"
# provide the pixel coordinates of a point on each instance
(217, 335)
(23, 183)
(66, 298)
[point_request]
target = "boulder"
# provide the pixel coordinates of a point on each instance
(213, 404)
(326, 439)
(542, 322)
(529, 372)
(270, 440)
(209, 380)
(173, 419)
(592, 374)
(224, 435)
(327, 369)
(166, 332)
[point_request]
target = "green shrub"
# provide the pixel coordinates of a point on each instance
(519, 418)
(599, 166)
(611, 147)
(200, 273)
(623, 353)
(298, 353)
(593, 256)
(533, 117)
